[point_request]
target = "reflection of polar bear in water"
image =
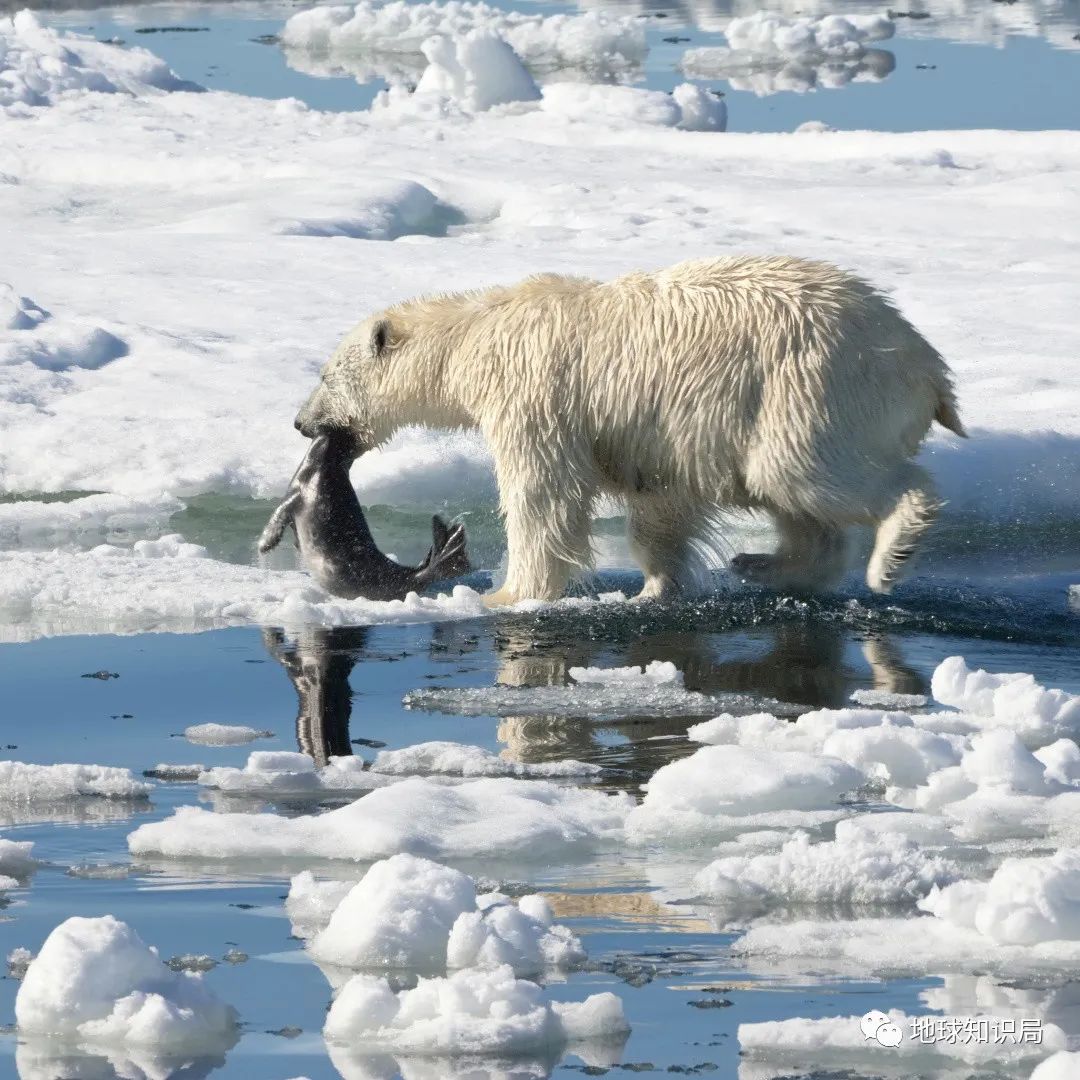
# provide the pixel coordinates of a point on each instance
(770, 384)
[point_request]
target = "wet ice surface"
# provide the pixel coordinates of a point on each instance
(675, 965)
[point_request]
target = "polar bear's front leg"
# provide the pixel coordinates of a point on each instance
(547, 538)
(660, 528)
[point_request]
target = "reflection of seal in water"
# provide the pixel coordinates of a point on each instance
(333, 535)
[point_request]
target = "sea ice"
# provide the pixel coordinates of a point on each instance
(830, 35)
(470, 1012)
(97, 982)
(285, 773)
(723, 788)
(1015, 701)
(91, 513)
(841, 1038)
(476, 72)
(1064, 1065)
(23, 784)
(222, 734)
(38, 66)
(410, 913)
(460, 759)
(110, 588)
(850, 871)
(593, 41)
(688, 107)
(530, 818)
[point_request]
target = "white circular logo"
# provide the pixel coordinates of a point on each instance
(876, 1025)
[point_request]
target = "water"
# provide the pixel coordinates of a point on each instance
(982, 64)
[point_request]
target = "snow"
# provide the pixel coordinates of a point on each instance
(688, 107)
(470, 1012)
(851, 871)
(531, 818)
(460, 759)
(222, 735)
(886, 699)
(24, 784)
(410, 913)
(655, 673)
(96, 981)
(39, 67)
(842, 1037)
(830, 35)
(721, 788)
(595, 42)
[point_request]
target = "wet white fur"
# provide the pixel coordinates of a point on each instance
(772, 384)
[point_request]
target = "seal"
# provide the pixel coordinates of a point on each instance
(333, 535)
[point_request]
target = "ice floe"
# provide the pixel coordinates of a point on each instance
(39, 66)
(410, 913)
(593, 41)
(470, 1012)
(460, 759)
(535, 819)
(1025, 919)
(223, 734)
(597, 693)
(851, 871)
(286, 773)
(841, 1040)
(723, 790)
(1063, 1065)
(96, 982)
(829, 35)
(25, 784)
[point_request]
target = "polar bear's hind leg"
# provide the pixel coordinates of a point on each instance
(811, 555)
(899, 533)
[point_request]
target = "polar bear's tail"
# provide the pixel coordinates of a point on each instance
(947, 415)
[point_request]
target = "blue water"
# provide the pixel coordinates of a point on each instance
(1022, 80)
(659, 958)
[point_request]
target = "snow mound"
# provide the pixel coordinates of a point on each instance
(92, 513)
(16, 864)
(887, 746)
(95, 980)
(18, 312)
(471, 1012)
(1026, 902)
(223, 735)
(688, 107)
(885, 870)
(655, 673)
(1015, 701)
(281, 772)
(700, 797)
(39, 66)
(831, 35)
(409, 913)
(476, 72)
(21, 783)
(459, 759)
(886, 699)
(594, 41)
(112, 589)
(842, 1036)
(531, 818)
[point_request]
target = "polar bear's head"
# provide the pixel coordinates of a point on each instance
(368, 385)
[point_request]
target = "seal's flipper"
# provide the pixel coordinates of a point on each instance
(279, 521)
(447, 557)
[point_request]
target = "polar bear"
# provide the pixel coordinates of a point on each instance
(770, 384)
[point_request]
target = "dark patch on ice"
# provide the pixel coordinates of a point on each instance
(908, 14)
(103, 675)
(926, 67)
(244, 906)
(710, 1003)
(375, 744)
(675, 40)
(267, 39)
(122, 716)
(173, 30)
(287, 1032)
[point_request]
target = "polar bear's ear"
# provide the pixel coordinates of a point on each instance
(380, 337)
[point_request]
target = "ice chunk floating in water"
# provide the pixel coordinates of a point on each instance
(95, 981)
(471, 1012)
(413, 914)
(21, 783)
(530, 818)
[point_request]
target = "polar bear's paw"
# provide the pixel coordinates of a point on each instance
(758, 569)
